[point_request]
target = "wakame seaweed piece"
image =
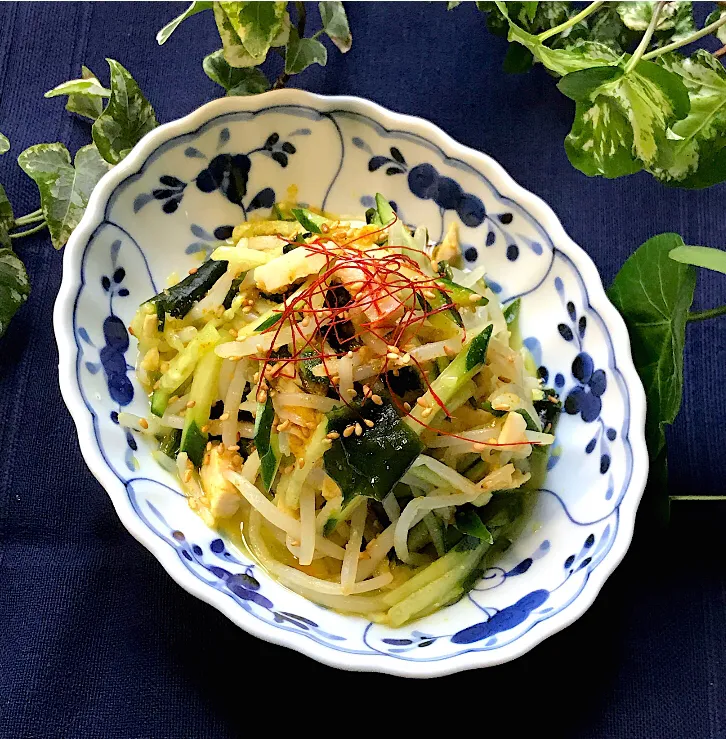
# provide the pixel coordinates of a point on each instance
(468, 521)
(311, 382)
(233, 290)
(178, 299)
(372, 463)
(340, 334)
(266, 442)
(407, 381)
(549, 409)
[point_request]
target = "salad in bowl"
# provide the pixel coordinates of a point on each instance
(350, 384)
(359, 407)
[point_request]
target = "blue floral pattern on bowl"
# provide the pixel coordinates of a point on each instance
(184, 189)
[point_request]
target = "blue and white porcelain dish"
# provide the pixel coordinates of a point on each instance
(182, 188)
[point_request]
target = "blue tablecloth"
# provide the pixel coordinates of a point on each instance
(97, 641)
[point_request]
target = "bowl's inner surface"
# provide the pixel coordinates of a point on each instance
(191, 192)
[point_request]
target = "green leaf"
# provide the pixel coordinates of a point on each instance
(453, 4)
(14, 286)
(469, 522)
(529, 10)
(654, 294)
(372, 463)
(266, 442)
(335, 24)
(4, 144)
(302, 52)
(87, 85)
(701, 256)
(698, 138)
(196, 7)
(721, 30)
(623, 126)
(128, 117)
(64, 187)
(637, 15)
(7, 219)
(580, 55)
(607, 27)
(579, 86)
(85, 96)
(235, 80)
(249, 29)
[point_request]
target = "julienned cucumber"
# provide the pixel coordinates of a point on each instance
(202, 395)
(435, 583)
(468, 362)
(310, 221)
(182, 366)
(459, 295)
(178, 300)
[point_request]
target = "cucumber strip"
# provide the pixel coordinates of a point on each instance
(461, 296)
(436, 531)
(511, 316)
(460, 563)
(203, 393)
(310, 221)
(468, 362)
(178, 300)
(266, 442)
(386, 214)
(182, 366)
(170, 443)
(285, 228)
(342, 514)
(314, 451)
(460, 554)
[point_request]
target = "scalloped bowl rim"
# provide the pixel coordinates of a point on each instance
(62, 321)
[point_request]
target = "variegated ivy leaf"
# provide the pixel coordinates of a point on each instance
(4, 143)
(7, 219)
(302, 52)
(578, 56)
(128, 117)
(694, 154)
(196, 7)
(14, 286)
(85, 96)
(64, 187)
(235, 80)
(249, 29)
(621, 123)
(638, 15)
(335, 24)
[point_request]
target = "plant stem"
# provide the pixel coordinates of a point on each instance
(33, 217)
(694, 37)
(703, 315)
(29, 217)
(29, 232)
(643, 45)
(697, 497)
(302, 15)
(591, 8)
(720, 52)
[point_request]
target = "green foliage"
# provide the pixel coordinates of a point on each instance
(639, 105)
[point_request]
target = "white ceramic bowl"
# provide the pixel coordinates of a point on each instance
(183, 187)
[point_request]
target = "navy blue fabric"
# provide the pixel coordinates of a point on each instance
(96, 641)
